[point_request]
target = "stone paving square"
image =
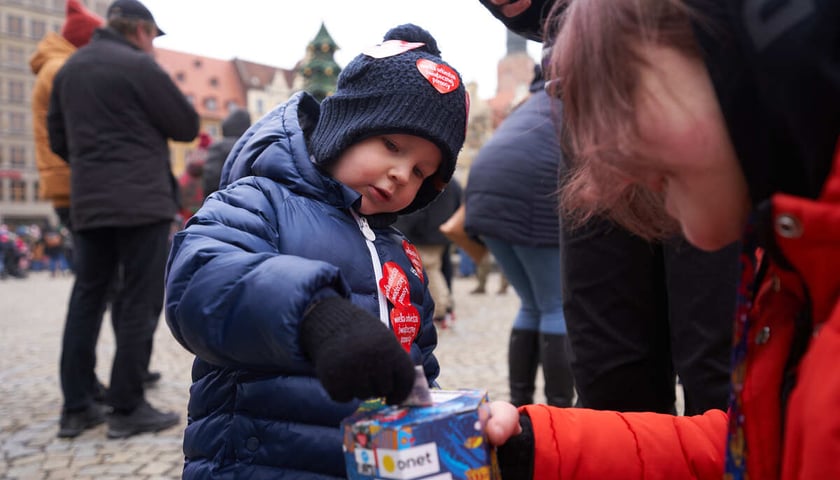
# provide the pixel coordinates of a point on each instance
(472, 353)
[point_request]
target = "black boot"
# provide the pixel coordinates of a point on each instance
(555, 356)
(523, 360)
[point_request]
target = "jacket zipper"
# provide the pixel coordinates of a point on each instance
(367, 232)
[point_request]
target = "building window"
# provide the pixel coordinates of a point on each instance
(17, 190)
(16, 56)
(214, 82)
(232, 105)
(17, 122)
(180, 76)
(17, 156)
(197, 63)
(16, 93)
(14, 25)
(191, 99)
(213, 130)
(37, 29)
(260, 107)
(210, 104)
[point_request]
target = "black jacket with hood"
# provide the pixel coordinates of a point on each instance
(233, 126)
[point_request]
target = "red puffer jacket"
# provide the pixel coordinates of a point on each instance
(588, 444)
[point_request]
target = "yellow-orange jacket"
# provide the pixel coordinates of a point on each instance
(52, 51)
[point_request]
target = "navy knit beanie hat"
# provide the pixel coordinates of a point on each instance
(399, 86)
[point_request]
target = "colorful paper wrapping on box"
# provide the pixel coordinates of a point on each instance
(444, 441)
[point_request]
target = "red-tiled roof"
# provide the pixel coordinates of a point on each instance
(206, 80)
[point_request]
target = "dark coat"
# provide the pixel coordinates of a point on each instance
(111, 113)
(233, 126)
(239, 278)
(423, 226)
(511, 193)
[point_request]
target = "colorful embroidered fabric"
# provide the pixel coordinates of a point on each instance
(736, 448)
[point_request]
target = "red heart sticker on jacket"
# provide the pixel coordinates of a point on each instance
(414, 258)
(405, 322)
(394, 285)
(443, 78)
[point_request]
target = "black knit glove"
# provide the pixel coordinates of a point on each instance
(355, 354)
(516, 456)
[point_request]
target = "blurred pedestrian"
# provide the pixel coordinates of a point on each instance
(510, 206)
(190, 185)
(233, 126)
(123, 201)
(54, 251)
(422, 228)
(639, 311)
(50, 54)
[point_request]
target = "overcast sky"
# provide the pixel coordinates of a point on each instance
(276, 32)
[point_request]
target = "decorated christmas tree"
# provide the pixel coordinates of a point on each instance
(319, 69)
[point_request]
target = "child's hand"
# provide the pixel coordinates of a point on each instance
(355, 355)
(503, 423)
(514, 437)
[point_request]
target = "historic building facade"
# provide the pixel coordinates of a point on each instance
(214, 86)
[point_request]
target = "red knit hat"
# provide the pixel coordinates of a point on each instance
(79, 24)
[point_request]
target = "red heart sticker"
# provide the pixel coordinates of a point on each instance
(414, 257)
(443, 78)
(405, 322)
(394, 285)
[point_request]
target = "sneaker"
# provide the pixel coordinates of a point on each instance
(144, 418)
(72, 424)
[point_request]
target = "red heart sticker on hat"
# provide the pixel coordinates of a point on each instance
(442, 77)
(389, 48)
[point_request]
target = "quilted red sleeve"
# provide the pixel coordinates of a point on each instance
(579, 443)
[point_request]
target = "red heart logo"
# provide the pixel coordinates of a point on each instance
(443, 78)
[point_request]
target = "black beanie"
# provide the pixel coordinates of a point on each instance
(396, 87)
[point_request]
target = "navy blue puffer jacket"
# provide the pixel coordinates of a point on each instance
(511, 192)
(278, 234)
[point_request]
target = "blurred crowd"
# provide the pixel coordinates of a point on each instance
(33, 248)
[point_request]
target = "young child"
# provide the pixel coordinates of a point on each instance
(289, 285)
(725, 124)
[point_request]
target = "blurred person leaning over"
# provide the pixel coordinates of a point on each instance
(111, 113)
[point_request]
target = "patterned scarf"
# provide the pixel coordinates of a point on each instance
(736, 449)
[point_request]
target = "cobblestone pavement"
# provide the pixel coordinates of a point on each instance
(472, 354)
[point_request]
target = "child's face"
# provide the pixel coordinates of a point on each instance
(387, 170)
(693, 161)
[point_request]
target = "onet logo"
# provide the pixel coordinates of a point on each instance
(408, 463)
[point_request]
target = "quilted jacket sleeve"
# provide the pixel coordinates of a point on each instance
(579, 443)
(232, 298)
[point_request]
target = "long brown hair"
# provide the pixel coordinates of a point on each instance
(594, 68)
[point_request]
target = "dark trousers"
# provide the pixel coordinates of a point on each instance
(639, 313)
(141, 253)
